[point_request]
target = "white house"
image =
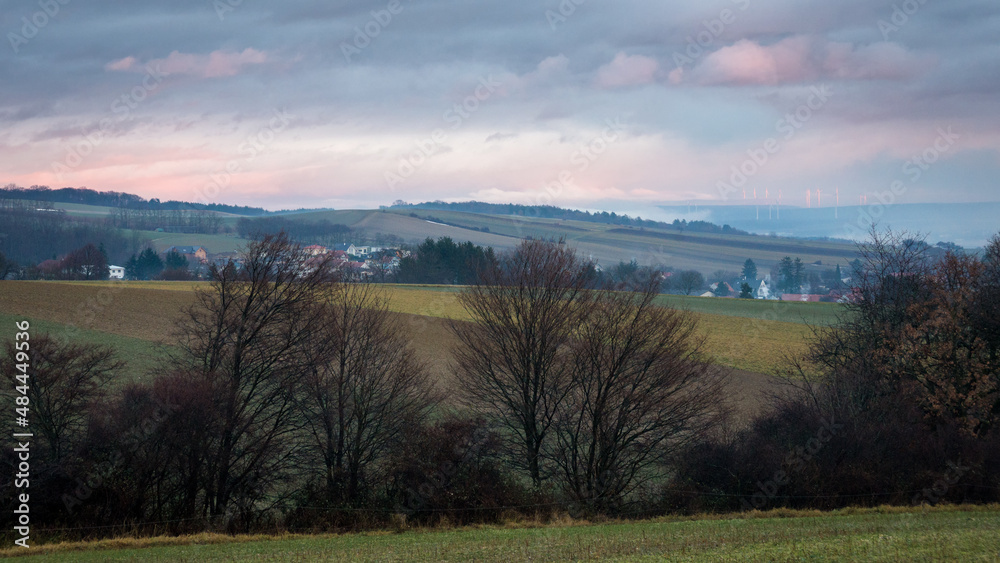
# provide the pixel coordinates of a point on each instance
(762, 291)
(116, 272)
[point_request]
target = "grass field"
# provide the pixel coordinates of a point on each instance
(141, 356)
(747, 335)
(213, 243)
(882, 534)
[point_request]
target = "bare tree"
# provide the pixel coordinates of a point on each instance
(689, 281)
(7, 267)
(513, 362)
(363, 391)
(65, 380)
(640, 391)
(85, 263)
(249, 337)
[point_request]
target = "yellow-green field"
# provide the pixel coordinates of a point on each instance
(752, 336)
(967, 533)
(747, 335)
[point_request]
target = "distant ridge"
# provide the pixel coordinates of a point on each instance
(87, 196)
(552, 212)
(967, 224)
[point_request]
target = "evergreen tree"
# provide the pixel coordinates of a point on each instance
(749, 270)
(147, 265)
(176, 261)
(746, 292)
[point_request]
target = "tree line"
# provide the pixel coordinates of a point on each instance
(295, 401)
(116, 199)
(322, 231)
(898, 403)
(29, 236)
(552, 212)
(170, 220)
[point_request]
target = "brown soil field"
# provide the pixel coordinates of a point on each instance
(143, 313)
(149, 313)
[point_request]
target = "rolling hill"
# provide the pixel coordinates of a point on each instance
(608, 244)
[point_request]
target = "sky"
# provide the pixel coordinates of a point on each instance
(588, 104)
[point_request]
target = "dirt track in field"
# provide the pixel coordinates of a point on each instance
(150, 314)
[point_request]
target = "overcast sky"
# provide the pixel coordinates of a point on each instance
(579, 103)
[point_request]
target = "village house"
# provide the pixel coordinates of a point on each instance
(192, 253)
(116, 272)
(760, 290)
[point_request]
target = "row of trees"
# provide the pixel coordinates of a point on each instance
(445, 262)
(552, 212)
(295, 399)
(147, 265)
(147, 218)
(897, 403)
(29, 236)
(46, 195)
(321, 232)
(285, 381)
(593, 389)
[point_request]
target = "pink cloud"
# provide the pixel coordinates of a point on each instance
(214, 64)
(803, 59)
(627, 70)
(121, 64)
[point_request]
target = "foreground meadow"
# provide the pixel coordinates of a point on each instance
(967, 533)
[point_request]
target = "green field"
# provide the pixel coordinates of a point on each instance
(141, 356)
(212, 243)
(743, 334)
(888, 534)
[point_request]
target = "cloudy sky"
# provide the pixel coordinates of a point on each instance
(578, 103)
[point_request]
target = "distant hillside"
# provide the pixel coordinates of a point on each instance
(607, 243)
(967, 224)
(87, 196)
(552, 212)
